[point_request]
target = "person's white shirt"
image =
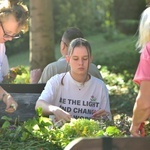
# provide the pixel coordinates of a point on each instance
(4, 65)
(80, 100)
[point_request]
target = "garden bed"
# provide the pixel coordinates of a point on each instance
(32, 132)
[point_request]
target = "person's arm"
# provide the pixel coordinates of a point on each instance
(50, 96)
(141, 110)
(11, 104)
(48, 109)
(45, 107)
(35, 75)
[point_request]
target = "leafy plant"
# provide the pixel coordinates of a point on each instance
(33, 133)
(22, 75)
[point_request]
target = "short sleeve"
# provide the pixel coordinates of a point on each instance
(143, 69)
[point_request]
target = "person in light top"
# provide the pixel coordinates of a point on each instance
(13, 20)
(76, 93)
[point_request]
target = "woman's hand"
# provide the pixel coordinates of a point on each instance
(12, 75)
(60, 114)
(97, 115)
(11, 105)
(137, 131)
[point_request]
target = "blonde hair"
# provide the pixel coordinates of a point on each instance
(4, 4)
(144, 29)
(19, 11)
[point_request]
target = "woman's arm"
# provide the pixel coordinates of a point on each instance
(141, 109)
(48, 109)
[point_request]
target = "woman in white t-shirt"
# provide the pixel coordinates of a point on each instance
(75, 94)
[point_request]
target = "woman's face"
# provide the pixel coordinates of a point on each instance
(8, 27)
(79, 60)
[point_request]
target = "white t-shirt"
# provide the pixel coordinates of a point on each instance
(79, 101)
(4, 66)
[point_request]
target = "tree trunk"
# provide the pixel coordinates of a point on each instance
(41, 33)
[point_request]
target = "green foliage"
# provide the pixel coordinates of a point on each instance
(91, 16)
(113, 35)
(147, 128)
(128, 26)
(113, 131)
(119, 53)
(122, 91)
(33, 133)
(80, 128)
(24, 78)
(22, 75)
(38, 127)
(127, 14)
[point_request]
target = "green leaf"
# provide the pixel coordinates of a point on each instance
(39, 111)
(6, 118)
(6, 124)
(113, 131)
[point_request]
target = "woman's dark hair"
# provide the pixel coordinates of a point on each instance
(77, 43)
(70, 34)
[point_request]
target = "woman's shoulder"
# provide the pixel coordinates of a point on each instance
(56, 78)
(98, 83)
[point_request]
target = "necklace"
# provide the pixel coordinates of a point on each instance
(79, 85)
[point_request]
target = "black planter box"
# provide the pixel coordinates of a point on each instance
(26, 96)
(23, 88)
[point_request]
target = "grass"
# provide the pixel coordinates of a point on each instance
(19, 59)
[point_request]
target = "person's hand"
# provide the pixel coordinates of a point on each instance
(60, 114)
(12, 75)
(11, 104)
(35, 75)
(97, 115)
(137, 131)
